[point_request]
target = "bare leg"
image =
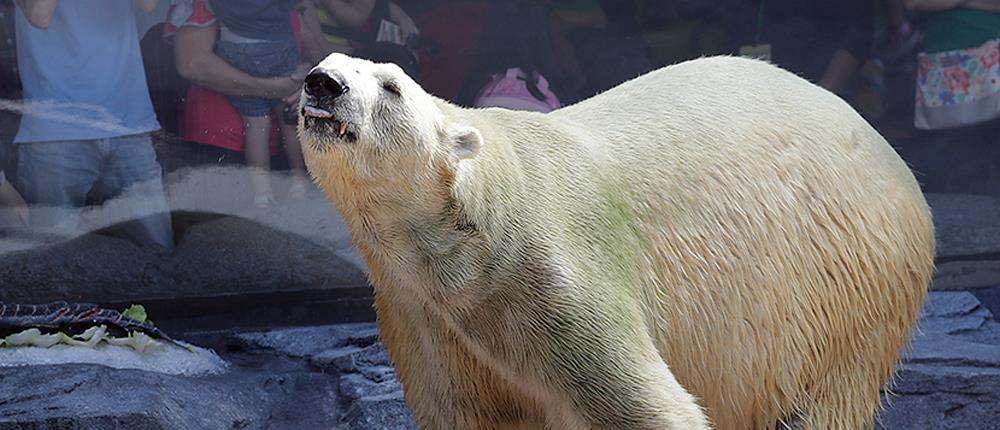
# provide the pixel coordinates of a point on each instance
(293, 150)
(258, 156)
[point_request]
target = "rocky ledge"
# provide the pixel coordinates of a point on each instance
(339, 377)
(951, 379)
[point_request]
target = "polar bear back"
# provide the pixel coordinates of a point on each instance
(714, 107)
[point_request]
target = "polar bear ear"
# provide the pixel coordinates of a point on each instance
(464, 140)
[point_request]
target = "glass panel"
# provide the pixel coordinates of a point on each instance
(149, 151)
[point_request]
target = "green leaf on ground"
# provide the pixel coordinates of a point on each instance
(137, 312)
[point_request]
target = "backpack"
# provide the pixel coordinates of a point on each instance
(510, 91)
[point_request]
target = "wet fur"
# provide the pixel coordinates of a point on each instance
(717, 235)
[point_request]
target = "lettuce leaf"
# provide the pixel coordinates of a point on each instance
(138, 313)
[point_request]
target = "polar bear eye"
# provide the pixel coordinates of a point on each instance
(391, 87)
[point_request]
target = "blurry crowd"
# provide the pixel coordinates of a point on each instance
(102, 97)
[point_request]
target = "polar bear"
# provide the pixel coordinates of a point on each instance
(717, 243)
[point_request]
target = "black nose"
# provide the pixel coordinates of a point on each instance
(321, 84)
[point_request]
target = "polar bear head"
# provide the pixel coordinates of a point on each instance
(375, 121)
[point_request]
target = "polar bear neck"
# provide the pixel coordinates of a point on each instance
(433, 233)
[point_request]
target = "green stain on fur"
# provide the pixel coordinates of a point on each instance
(608, 228)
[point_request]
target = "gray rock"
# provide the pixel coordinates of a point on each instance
(132, 421)
(941, 411)
(372, 396)
(339, 360)
(93, 396)
(386, 411)
(951, 377)
(379, 373)
(944, 397)
(950, 304)
(354, 386)
(343, 348)
(957, 312)
(340, 377)
(988, 333)
(953, 351)
(353, 359)
(311, 341)
(949, 381)
(989, 297)
(952, 325)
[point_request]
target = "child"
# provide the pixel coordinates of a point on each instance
(514, 58)
(256, 37)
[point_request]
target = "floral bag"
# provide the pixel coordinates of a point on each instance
(957, 88)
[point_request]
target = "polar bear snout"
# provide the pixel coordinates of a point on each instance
(324, 105)
(323, 85)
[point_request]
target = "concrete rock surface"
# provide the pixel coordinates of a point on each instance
(951, 377)
(338, 376)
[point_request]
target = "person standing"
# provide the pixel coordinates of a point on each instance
(825, 42)
(87, 113)
(957, 97)
(13, 209)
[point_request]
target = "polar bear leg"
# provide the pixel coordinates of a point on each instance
(636, 393)
(657, 402)
(681, 409)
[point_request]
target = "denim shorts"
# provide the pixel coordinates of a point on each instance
(266, 59)
(57, 177)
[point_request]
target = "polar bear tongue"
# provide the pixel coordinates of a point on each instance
(316, 112)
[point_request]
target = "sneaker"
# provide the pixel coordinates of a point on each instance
(263, 201)
(298, 189)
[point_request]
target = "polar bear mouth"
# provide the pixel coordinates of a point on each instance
(315, 116)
